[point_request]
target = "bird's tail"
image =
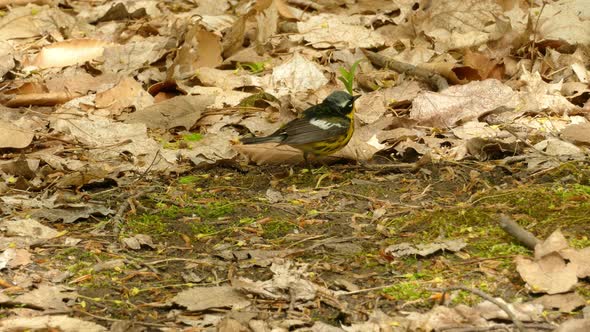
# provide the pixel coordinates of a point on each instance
(256, 140)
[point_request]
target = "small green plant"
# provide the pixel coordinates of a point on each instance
(192, 137)
(407, 291)
(189, 179)
(347, 76)
(252, 67)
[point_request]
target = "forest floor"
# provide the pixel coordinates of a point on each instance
(336, 223)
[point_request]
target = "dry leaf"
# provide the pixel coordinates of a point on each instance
(60, 323)
(12, 136)
(297, 74)
(461, 103)
(68, 53)
(550, 274)
(407, 249)
(181, 111)
(127, 93)
(28, 227)
(563, 302)
(564, 20)
(577, 133)
(201, 48)
(205, 298)
(455, 24)
(328, 30)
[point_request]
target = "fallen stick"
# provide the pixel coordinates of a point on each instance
(522, 235)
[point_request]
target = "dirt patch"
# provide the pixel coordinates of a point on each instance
(211, 226)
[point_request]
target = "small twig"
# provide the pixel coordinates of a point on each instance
(365, 290)
(522, 235)
(370, 199)
(535, 29)
(529, 145)
(148, 168)
(117, 220)
(176, 259)
(305, 240)
(432, 78)
(489, 298)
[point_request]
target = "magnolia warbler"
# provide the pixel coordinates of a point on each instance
(321, 130)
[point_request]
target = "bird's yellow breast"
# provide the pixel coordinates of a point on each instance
(329, 146)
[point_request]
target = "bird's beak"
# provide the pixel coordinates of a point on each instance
(355, 97)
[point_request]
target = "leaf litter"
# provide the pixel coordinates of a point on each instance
(100, 99)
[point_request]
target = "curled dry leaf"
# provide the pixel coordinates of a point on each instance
(563, 302)
(201, 48)
(267, 25)
(297, 74)
(425, 249)
(461, 103)
(458, 24)
(328, 30)
(575, 325)
(12, 136)
(224, 79)
(107, 139)
(523, 311)
(372, 106)
(61, 323)
(48, 297)
(537, 95)
(133, 56)
(209, 150)
(550, 274)
(13, 258)
(206, 298)
(28, 227)
(18, 23)
(181, 111)
(581, 258)
(7, 53)
(68, 53)
(565, 20)
(557, 147)
(127, 93)
(577, 133)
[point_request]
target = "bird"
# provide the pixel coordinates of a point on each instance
(321, 130)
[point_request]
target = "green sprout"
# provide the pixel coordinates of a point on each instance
(253, 67)
(347, 76)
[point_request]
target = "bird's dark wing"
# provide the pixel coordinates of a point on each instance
(314, 129)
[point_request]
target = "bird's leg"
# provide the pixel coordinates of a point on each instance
(305, 157)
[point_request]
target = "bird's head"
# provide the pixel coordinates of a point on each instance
(342, 101)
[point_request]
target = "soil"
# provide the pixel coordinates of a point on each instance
(209, 226)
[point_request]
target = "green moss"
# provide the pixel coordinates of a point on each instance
(201, 229)
(407, 291)
(189, 179)
(213, 210)
(65, 253)
(147, 224)
(80, 268)
(276, 229)
(580, 243)
(467, 298)
(192, 137)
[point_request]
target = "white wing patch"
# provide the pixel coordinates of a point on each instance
(325, 125)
